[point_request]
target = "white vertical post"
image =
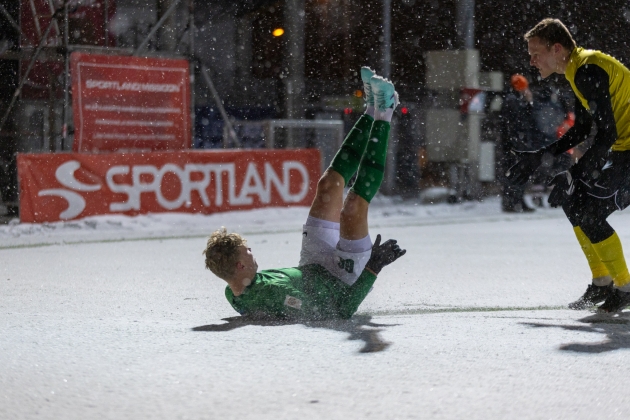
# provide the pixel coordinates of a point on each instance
(66, 79)
(294, 60)
(465, 24)
(294, 54)
(387, 38)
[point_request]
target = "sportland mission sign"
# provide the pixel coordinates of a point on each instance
(125, 103)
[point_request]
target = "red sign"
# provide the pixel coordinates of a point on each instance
(86, 20)
(130, 103)
(65, 186)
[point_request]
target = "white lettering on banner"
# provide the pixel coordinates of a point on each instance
(132, 86)
(131, 136)
(117, 188)
(286, 172)
(156, 183)
(247, 188)
(201, 185)
(134, 123)
(137, 187)
(252, 184)
(133, 109)
(284, 187)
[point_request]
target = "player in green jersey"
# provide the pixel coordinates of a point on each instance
(598, 184)
(338, 263)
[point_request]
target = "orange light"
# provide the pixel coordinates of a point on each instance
(358, 93)
(278, 32)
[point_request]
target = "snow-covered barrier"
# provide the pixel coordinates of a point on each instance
(56, 187)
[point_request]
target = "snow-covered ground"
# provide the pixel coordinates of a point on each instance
(116, 318)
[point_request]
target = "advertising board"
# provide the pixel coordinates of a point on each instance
(123, 103)
(66, 186)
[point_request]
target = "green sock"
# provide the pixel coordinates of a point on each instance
(347, 159)
(372, 167)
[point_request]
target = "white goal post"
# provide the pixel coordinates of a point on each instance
(326, 135)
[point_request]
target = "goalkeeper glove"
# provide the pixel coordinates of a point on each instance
(528, 162)
(587, 170)
(563, 186)
(384, 254)
(590, 165)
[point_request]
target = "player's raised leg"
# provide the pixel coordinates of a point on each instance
(354, 247)
(329, 196)
(354, 225)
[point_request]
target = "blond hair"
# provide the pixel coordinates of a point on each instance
(222, 252)
(552, 31)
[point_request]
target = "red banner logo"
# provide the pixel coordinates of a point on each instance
(130, 103)
(57, 187)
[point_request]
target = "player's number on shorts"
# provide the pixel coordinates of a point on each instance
(347, 265)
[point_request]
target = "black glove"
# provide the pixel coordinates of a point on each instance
(590, 165)
(563, 186)
(587, 170)
(383, 255)
(528, 162)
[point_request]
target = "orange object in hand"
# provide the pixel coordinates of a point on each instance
(566, 124)
(519, 82)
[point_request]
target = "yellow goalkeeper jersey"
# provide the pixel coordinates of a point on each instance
(619, 89)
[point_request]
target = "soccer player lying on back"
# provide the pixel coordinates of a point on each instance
(338, 263)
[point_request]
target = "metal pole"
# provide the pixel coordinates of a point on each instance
(157, 26)
(294, 59)
(191, 53)
(387, 38)
(465, 24)
(217, 99)
(466, 173)
(66, 78)
(294, 82)
(16, 94)
(106, 23)
(10, 19)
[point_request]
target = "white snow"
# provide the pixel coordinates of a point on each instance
(115, 317)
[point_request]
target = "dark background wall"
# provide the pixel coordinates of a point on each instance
(342, 35)
(602, 25)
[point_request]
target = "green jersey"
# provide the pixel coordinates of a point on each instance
(308, 292)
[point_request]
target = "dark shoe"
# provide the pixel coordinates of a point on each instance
(592, 296)
(538, 201)
(521, 207)
(526, 208)
(509, 207)
(617, 301)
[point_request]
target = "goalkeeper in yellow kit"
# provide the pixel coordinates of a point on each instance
(338, 263)
(599, 183)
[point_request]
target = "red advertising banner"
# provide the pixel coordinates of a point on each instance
(125, 103)
(86, 23)
(65, 186)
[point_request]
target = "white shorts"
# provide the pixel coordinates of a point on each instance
(319, 246)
